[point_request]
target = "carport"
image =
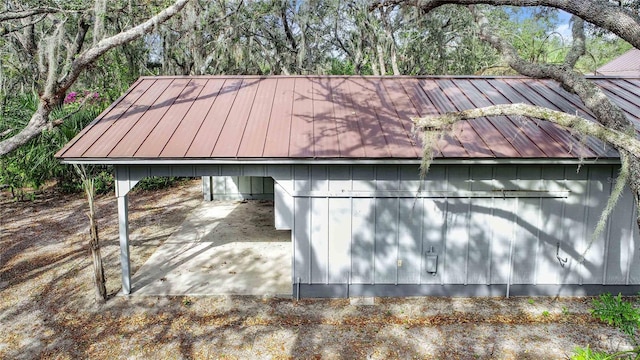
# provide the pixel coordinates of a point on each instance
(501, 211)
(224, 247)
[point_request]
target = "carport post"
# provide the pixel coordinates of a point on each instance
(123, 223)
(207, 184)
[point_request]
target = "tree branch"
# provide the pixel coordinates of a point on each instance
(593, 97)
(620, 140)
(55, 89)
(605, 14)
(106, 44)
(578, 48)
(5, 30)
(14, 15)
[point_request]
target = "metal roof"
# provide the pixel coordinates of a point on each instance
(333, 118)
(627, 64)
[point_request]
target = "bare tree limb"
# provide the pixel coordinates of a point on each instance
(56, 87)
(14, 15)
(106, 44)
(5, 30)
(618, 139)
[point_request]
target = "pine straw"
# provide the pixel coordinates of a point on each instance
(47, 307)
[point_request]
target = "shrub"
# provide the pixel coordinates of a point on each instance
(585, 353)
(33, 164)
(158, 182)
(617, 312)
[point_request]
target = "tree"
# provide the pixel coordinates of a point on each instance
(618, 18)
(61, 59)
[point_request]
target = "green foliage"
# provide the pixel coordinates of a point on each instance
(341, 67)
(616, 311)
(533, 33)
(103, 181)
(158, 182)
(601, 50)
(585, 353)
(33, 164)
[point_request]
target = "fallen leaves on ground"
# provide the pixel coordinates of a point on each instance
(47, 306)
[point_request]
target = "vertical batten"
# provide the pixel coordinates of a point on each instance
(385, 244)
(617, 248)
(469, 240)
(537, 253)
(512, 241)
(319, 240)
(580, 266)
(491, 236)
(397, 227)
(630, 251)
(563, 235)
(301, 234)
(606, 246)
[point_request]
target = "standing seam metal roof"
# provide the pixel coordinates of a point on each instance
(627, 64)
(335, 117)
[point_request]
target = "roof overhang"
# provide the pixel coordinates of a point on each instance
(262, 161)
(336, 120)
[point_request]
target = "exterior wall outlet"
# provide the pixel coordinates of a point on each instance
(399, 263)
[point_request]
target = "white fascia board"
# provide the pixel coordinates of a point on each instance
(263, 161)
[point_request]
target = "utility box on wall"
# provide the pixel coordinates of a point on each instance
(431, 262)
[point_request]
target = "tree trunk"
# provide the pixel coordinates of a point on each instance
(57, 82)
(98, 269)
(39, 122)
(380, 53)
(94, 240)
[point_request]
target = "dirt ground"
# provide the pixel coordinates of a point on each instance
(47, 306)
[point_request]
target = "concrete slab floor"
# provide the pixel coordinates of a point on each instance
(222, 248)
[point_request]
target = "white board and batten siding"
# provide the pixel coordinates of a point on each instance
(360, 228)
(237, 188)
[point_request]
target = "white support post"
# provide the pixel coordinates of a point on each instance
(123, 222)
(207, 191)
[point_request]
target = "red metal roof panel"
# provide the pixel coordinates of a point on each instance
(301, 140)
(95, 130)
(255, 134)
(202, 144)
(325, 133)
(447, 146)
(375, 143)
(132, 140)
(234, 127)
(279, 130)
(349, 136)
(341, 117)
(177, 146)
(167, 125)
(627, 64)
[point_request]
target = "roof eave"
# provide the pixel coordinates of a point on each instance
(336, 161)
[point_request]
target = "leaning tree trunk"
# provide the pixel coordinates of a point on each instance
(94, 240)
(94, 245)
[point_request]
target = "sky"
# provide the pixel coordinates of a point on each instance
(564, 27)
